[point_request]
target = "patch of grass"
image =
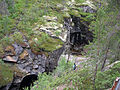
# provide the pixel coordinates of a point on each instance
(1, 50)
(80, 1)
(6, 41)
(17, 37)
(6, 75)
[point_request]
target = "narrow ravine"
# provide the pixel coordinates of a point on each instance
(41, 51)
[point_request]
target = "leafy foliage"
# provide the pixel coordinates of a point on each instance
(105, 79)
(106, 45)
(64, 75)
(107, 33)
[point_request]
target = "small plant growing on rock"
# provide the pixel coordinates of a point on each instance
(17, 37)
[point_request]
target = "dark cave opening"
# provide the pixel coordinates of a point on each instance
(28, 81)
(79, 33)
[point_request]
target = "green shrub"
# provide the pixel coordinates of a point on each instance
(64, 75)
(63, 67)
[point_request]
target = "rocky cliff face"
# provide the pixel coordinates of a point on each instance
(29, 62)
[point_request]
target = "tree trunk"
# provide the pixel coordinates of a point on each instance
(105, 58)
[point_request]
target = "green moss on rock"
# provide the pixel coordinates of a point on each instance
(74, 12)
(51, 44)
(45, 42)
(66, 15)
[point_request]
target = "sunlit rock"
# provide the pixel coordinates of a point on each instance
(23, 55)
